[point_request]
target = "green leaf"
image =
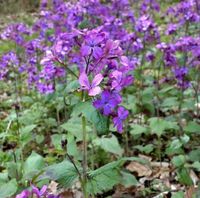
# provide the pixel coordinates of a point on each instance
(159, 125)
(137, 129)
(9, 189)
(146, 149)
(28, 129)
(14, 169)
(3, 178)
(194, 155)
(100, 122)
(26, 135)
(85, 108)
(109, 144)
(104, 178)
(179, 194)
(39, 138)
(56, 140)
(64, 173)
(72, 147)
(74, 126)
(192, 127)
(170, 102)
(33, 165)
(196, 165)
(174, 147)
(103, 182)
(184, 176)
(128, 179)
(72, 86)
(179, 160)
(107, 176)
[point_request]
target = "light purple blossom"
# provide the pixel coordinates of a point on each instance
(93, 88)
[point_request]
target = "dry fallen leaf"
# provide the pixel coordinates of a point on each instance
(140, 169)
(190, 192)
(53, 187)
(145, 157)
(194, 177)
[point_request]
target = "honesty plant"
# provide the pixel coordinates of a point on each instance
(105, 47)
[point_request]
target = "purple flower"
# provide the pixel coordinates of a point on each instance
(107, 102)
(93, 88)
(150, 56)
(119, 81)
(172, 28)
(48, 58)
(92, 46)
(41, 192)
(24, 194)
(180, 73)
(122, 114)
(45, 88)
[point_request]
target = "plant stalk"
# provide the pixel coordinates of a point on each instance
(84, 157)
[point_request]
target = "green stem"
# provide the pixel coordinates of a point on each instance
(84, 185)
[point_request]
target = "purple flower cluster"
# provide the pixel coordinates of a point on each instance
(16, 33)
(100, 47)
(148, 6)
(9, 61)
(36, 192)
(100, 62)
(188, 49)
(185, 12)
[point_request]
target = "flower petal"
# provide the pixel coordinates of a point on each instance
(84, 81)
(94, 91)
(97, 80)
(85, 50)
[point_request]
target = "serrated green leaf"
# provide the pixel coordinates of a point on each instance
(56, 140)
(8, 189)
(74, 126)
(178, 160)
(72, 86)
(179, 194)
(103, 182)
(85, 108)
(194, 155)
(184, 176)
(25, 134)
(100, 122)
(137, 129)
(104, 178)
(64, 173)
(196, 165)
(72, 147)
(33, 165)
(146, 149)
(170, 102)
(28, 129)
(3, 178)
(109, 144)
(159, 125)
(192, 127)
(128, 179)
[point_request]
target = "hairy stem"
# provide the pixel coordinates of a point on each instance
(84, 156)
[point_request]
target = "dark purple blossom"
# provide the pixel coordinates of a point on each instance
(122, 114)
(108, 102)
